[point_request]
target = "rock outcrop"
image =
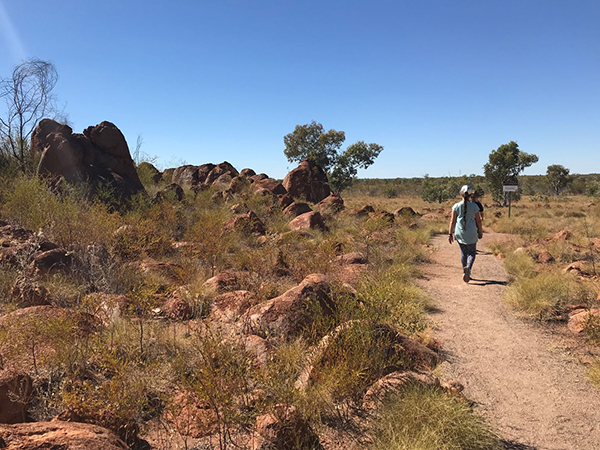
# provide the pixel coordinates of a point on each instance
(99, 156)
(288, 315)
(58, 435)
(308, 221)
(308, 181)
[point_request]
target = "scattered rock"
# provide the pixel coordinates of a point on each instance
(191, 416)
(248, 223)
(392, 385)
(308, 182)
(405, 211)
(259, 348)
(177, 308)
(288, 315)
(365, 211)
(240, 208)
(285, 200)
(224, 282)
(58, 435)
(172, 273)
(562, 235)
(352, 258)
(308, 221)
(579, 320)
(27, 292)
(331, 205)
(15, 394)
(51, 261)
(545, 257)
(284, 429)
(579, 267)
(382, 215)
(269, 185)
(230, 306)
(297, 208)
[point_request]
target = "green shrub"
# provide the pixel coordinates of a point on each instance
(520, 265)
(547, 294)
(427, 418)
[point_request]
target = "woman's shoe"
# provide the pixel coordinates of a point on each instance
(467, 275)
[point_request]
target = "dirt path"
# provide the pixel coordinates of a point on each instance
(529, 389)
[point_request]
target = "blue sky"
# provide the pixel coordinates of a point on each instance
(438, 83)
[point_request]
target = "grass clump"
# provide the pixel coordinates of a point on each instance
(520, 265)
(594, 373)
(546, 295)
(427, 418)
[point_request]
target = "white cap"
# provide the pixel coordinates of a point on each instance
(466, 189)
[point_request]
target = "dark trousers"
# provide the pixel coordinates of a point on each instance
(467, 254)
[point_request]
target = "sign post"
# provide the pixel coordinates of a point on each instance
(510, 188)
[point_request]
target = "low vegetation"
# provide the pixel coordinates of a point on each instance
(176, 377)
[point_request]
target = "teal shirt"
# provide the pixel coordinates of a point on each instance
(468, 234)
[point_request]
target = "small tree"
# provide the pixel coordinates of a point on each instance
(28, 97)
(506, 162)
(558, 178)
(311, 142)
(438, 190)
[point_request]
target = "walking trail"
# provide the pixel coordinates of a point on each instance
(527, 387)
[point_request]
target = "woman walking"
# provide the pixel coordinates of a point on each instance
(466, 228)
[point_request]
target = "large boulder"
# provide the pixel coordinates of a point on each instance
(99, 156)
(308, 181)
(15, 393)
(268, 185)
(51, 261)
(308, 221)
(296, 209)
(332, 204)
(218, 170)
(290, 314)
(58, 435)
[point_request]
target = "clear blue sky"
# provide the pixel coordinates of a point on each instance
(438, 83)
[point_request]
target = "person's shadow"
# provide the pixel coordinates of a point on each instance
(488, 282)
(512, 445)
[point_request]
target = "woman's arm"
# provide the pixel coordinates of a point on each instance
(479, 223)
(451, 229)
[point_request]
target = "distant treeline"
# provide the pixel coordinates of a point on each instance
(588, 184)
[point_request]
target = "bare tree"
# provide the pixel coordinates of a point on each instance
(28, 97)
